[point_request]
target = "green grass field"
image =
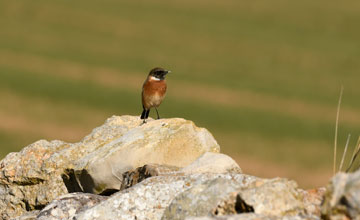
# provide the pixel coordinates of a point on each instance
(263, 77)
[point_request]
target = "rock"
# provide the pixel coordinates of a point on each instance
(253, 216)
(201, 199)
(43, 171)
(174, 142)
(28, 215)
(274, 197)
(149, 198)
(133, 177)
(67, 206)
(312, 200)
(342, 198)
(165, 169)
(178, 196)
(211, 162)
(30, 179)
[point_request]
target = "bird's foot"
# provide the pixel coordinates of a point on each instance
(144, 122)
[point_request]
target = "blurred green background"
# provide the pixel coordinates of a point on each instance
(263, 76)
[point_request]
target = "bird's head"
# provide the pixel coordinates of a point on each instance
(158, 73)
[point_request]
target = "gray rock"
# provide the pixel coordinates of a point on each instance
(67, 206)
(133, 177)
(253, 216)
(211, 162)
(149, 198)
(201, 199)
(174, 142)
(342, 198)
(30, 179)
(44, 170)
(273, 197)
(276, 197)
(312, 200)
(28, 215)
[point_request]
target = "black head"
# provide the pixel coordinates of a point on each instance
(159, 73)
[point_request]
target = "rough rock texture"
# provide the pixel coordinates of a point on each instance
(211, 162)
(201, 199)
(28, 215)
(342, 198)
(43, 171)
(67, 206)
(253, 216)
(178, 196)
(165, 169)
(133, 177)
(30, 179)
(175, 142)
(274, 197)
(312, 200)
(149, 198)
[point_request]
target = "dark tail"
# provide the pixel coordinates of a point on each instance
(145, 114)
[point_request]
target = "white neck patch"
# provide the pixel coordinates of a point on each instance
(154, 78)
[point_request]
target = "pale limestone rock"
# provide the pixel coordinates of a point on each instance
(268, 197)
(31, 178)
(174, 142)
(67, 206)
(342, 198)
(149, 198)
(253, 216)
(163, 166)
(201, 199)
(276, 196)
(28, 215)
(211, 162)
(139, 174)
(43, 171)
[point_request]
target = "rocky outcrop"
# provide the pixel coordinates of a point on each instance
(165, 169)
(150, 198)
(43, 171)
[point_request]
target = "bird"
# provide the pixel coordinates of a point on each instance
(153, 91)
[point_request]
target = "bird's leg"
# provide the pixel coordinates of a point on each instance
(157, 114)
(144, 115)
(147, 114)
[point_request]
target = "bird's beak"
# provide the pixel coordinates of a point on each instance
(167, 71)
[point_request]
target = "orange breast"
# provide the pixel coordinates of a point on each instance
(153, 93)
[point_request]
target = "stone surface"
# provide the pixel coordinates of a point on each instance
(149, 198)
(67, 206)
(30, 179)
(273, 197)
(174, 142)
(133, 177)
(43, 171)
(211, 162)
(165, 169)
(253, 216)
(312, 200)
(342, 198)
(28, 215)
(201, 199)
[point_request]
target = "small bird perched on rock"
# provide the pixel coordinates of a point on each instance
(153, 91)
